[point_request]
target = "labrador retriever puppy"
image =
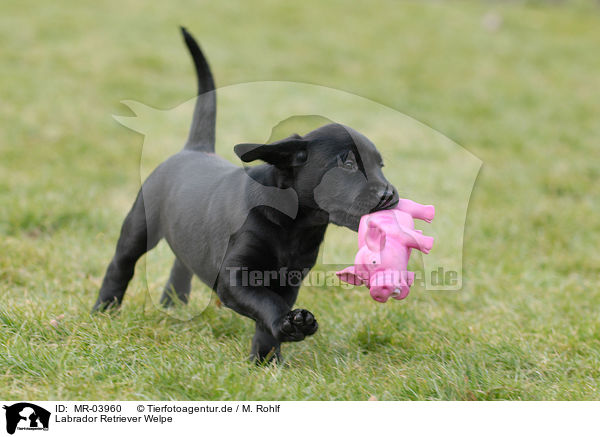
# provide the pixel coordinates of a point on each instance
(266, 222)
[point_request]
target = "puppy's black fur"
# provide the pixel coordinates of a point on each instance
(222, 221)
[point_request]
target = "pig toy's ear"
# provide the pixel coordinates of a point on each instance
(375, 237)
(349, 275)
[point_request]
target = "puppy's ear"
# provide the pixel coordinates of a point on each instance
(286, 153)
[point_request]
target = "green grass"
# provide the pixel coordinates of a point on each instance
(525, 99)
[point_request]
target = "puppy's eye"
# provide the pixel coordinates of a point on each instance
(301, 155)
(349, 164)
(346, 163)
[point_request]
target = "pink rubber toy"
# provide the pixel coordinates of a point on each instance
(385, 240)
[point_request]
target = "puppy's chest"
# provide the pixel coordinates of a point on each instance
(297, 253)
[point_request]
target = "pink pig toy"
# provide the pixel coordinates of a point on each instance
(385, 240)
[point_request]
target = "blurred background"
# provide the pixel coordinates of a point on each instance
(517, 84)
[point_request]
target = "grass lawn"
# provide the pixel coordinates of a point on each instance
(517, 84)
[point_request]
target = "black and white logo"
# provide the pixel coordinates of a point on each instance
(26, 417)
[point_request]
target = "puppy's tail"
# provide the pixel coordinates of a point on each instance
(202, 132)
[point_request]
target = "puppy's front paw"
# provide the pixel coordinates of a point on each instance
(296, 325)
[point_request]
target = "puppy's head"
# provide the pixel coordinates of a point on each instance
(334, 169)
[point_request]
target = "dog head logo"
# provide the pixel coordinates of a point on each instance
(26, 416)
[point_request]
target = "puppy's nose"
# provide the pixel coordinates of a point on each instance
(385, 192)
(394, 200)
(388, 197)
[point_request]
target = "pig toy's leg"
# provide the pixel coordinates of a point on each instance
(416, 210)
(416, 240)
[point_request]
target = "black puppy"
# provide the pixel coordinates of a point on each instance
(225, 222)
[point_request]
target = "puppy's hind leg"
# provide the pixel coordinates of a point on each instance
(178, 286)
(135, 240)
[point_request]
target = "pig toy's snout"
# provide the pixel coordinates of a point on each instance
(384, 285)
(380, 294)
(379, 297)
(383, 293)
